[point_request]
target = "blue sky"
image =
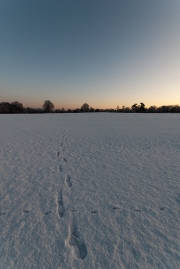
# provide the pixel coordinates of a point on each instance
(105, 53)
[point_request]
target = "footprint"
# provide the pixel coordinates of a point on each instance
(47, 213)
(137, 210)
(114, 208)
(93, 212)
(2, 214)
(161, 208)
(26, 211)
(64, 159)
(73, 210)
(60, 205)
(76, 243)
(57, 153)
(60, 168)
(68, 180)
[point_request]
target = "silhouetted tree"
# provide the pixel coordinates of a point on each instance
(48, 106)
(122, 109)
(163, 109)
(175, 109)
(142, 107)
(97, 110)
(4, 107)
(33, 110)
(77, 110)
(127, 109)
(85, 107)
(16, 107)
(134, 107)
(91, 109)
(152, 109)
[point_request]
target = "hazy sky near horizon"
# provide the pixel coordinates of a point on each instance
(102, 52)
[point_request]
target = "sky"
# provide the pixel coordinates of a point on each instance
(106, 53)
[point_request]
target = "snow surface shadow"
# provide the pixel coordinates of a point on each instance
(76, 243)
(60, 168)
(64, 159)
(2, 214)
(60, 205)
(68, 180)
(57, 153)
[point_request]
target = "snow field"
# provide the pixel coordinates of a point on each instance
(90, 191)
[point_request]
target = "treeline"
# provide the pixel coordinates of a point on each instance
(8, 108)
(48, 107)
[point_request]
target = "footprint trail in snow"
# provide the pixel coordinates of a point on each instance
(60, 205)
(76, 243)
(68, 181)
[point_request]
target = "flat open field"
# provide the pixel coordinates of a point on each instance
(90, 191)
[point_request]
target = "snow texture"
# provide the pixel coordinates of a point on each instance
(90, 190)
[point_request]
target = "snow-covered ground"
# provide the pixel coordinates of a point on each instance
(95, 190)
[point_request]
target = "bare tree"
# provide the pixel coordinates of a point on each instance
(85, 107)
(48, 106)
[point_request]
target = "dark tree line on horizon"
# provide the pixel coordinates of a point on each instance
(48, 107)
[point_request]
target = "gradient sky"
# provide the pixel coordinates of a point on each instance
(103, 52)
